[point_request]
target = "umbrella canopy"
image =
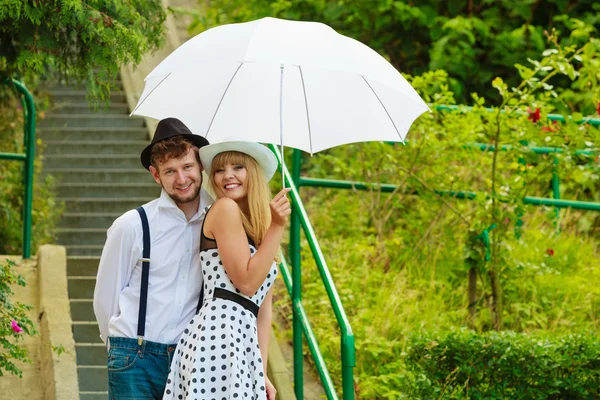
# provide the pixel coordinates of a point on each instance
(299, 84)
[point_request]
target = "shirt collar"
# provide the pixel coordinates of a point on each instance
(165, 201)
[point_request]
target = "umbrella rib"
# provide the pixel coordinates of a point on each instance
(306, 105)
(385, 109)
(153, 89)
(222, 97)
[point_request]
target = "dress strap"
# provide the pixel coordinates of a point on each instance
(203, 238)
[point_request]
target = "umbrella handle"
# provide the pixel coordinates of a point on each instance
(281, 123)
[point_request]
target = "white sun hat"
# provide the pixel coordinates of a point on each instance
(263, 156)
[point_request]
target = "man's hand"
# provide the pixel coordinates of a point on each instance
(271, 391)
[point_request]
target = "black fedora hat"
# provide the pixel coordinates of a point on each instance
(168, 128)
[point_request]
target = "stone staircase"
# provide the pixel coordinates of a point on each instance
(95, 157)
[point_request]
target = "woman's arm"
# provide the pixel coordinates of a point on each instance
(224, 223)
(265, 317)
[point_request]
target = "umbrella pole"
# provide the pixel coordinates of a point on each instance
(281, 124)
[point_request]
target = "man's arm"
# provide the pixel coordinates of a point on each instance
(119, 257)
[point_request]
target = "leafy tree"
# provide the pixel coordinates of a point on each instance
(474, 41)
(78, 39)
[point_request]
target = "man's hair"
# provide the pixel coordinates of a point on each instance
(173, 147)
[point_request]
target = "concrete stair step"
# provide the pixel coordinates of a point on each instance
(86, 332)
(92, 161)
(88, 220)
(91, 120)
(91, 353)
(86, 133)
(83, 250)
(82, 310)
(88, 190)
(101, 175)
(95, 146)
(57, 84)
(93, 378)
(81, 236)
(93, 395)
(85, 108)
(79, 96)
(103, 205)
(81, 287)
(82, 265)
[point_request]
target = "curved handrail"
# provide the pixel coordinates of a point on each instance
(27, 158)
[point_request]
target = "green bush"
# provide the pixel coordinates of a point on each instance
(14, 322)
(463, 364)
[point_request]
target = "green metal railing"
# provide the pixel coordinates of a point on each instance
(551, 117)
(27, 158)
(293, 282)
(299, 218)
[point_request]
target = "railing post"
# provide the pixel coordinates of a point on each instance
(556, 192)
(297, 282)
(29, 142)
(348, 364)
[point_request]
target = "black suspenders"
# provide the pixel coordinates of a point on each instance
(145, 274)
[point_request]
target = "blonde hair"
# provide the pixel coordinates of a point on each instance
(258, 196)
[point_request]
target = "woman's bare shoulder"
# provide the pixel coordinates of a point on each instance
(224, 209)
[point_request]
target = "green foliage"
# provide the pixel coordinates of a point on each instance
(466, 365)
(10, 313)
(473, 41)
(46, 210)
(79, 39)
(400, 260)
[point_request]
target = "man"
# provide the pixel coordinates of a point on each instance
(141, 335)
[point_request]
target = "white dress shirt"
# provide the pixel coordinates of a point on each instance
(175, 275)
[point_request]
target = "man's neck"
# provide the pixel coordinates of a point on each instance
(190, 209)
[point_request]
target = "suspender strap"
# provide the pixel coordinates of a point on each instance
(145, 273)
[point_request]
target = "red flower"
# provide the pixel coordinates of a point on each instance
(550, 252)
(598, 108)
(548, 129)
(15, 327)
(534, 116)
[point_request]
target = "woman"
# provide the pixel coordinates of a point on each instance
(222, 353)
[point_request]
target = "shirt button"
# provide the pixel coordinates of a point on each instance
(188, 250)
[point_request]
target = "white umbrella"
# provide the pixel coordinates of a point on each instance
(298, 84)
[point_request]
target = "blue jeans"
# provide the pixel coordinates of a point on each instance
(137, 372)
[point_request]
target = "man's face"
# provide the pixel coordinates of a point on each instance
(181, 177)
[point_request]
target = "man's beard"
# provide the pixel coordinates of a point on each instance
(182, 200)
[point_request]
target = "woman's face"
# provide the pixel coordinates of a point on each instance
(230, 181)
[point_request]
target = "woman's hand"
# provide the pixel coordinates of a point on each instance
(271, 391)
(280, 208)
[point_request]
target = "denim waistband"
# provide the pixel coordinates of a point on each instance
(147, 346)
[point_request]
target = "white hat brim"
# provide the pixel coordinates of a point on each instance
(263, 156)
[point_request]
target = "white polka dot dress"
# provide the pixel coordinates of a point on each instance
(218, 355)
